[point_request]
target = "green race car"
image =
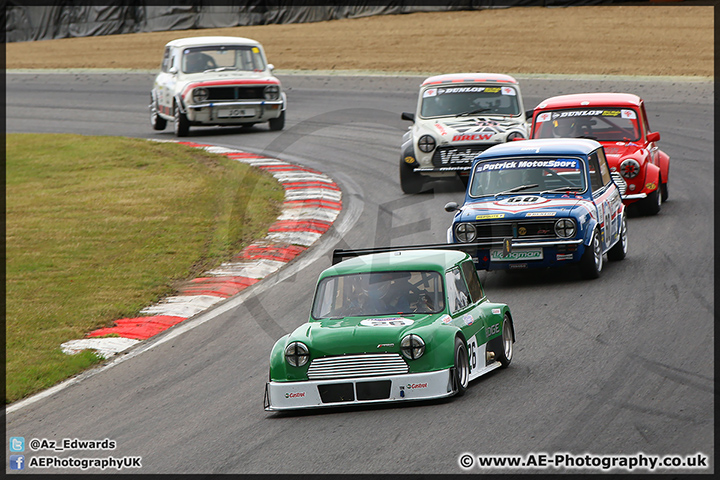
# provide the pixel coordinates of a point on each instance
(393, 326)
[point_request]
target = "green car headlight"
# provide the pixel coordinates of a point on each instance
(412, 346)
(465, 232)
(565, 228)
(297, 354)
(200, 94)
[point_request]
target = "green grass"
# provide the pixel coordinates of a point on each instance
(100, 227)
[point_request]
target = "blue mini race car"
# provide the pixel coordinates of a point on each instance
(542, 203)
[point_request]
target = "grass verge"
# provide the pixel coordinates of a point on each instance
(98, 228)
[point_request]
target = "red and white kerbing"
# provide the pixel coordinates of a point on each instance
(312, 203)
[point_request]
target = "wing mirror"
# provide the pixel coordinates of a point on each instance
(408, 116)
(529, 115)
(653, 136)
(451, 207)
(271, 67)
(173, 70)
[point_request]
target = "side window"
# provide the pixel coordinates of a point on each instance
(644, 121)
(457, 292)
(596, 182)
(471, 278)
(604, 169)
(166, 61)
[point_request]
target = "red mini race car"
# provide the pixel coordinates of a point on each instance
(619, 122)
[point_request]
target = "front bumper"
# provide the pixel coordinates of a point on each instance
(631, 198)
(235, 112)
(443, 171)
(359, 390)
(525, 254)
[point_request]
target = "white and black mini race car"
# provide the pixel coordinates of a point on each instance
(458, 116)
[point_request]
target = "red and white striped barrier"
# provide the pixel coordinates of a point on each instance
(312, 203)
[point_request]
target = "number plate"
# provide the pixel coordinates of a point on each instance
(236, 112)
(517, 255)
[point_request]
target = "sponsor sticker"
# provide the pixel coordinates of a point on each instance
(630, 114)
(387, 322)
(508, 91)
(496, 255)
(540, 214)
(496, 311)
(543, 117)
(468, 319)
(521, 200)
(443, 91)
(650, 186)
(577, 113)
(489, 216)
(414, 386)
(564, 256)
(430, 92)
(611, 113)
(294, 394)
(472, 138)
(517, 164)
(446, 319)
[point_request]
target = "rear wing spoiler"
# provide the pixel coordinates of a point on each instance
(471, 248)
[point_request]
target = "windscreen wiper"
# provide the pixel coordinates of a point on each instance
(516, 189)
(472, 112)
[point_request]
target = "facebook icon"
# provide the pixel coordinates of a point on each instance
(17, 462)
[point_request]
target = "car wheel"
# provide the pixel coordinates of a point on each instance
(591, 262)
(410, 182)
(502, 346)
(619, 250)
(461, 372)
(651, 205)
(182, 126)
(156, 121)
(664, 191)
(277, 123)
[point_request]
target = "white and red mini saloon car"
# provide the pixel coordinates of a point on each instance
(619, 122)
(458, 116)
(216, 81)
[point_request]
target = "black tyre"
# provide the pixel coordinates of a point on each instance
(410, 182)
(277, 123)
(664, 191)
(651, 204)
(182, 126)
(591, 262)
(461, 372)
(156, 121)
(619, 250)
(502, 346)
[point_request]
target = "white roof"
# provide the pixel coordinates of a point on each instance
(202, 41)
(469, 77)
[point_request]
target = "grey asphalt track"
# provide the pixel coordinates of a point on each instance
(619, 365)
